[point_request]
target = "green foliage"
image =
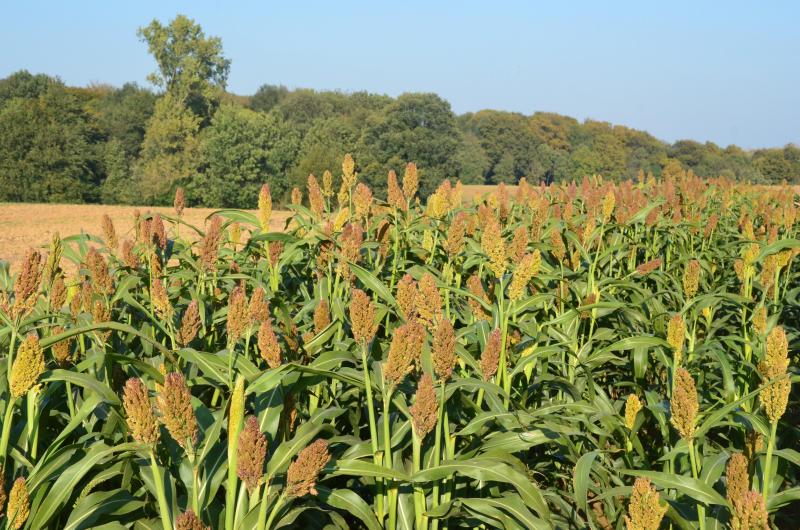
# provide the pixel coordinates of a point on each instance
(241, 150)
(386, 367)
(46, 152)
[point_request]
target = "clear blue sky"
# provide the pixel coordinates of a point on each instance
(727, 72)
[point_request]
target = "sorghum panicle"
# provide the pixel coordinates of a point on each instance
(322, 316)
(645, 510)
(632, 408)
(684, 405)
(443, 352)
(490, 358)
(406, 297)
(362, 317)
(405, 350)
(251, 451)
(750, 512)
(190, 324)
(264, 207)
(676, 333)
(139, 412)
(19, 505)
(268, 345)
(410, 181)
(738, 479)
(301, 479)
(475, 287)
(180, 201)
(238, 316)
(175, 405)
(425, 410)
(429, 301)
(109, 233)
(28, 366)
(691, 278)
(189, 521)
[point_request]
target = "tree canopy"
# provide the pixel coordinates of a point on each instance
(136, 144)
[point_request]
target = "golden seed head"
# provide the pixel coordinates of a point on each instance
(684, 405)
(405, 350)
(676, 332)
(558, 248)
(275, 251)
(475, 287)
(738, 478)
(519, 244)
(210, 244)
(297, 196)
(159, 232)
(490, 358)
(52, 266)
(19, 504)
(760, 319)
(750, 512)
(259, 306)
(609, 202)
(691, 278)
(236, 234)
(268, 345)
(425, 410)
(327, 183)
(632, 408)
(349, 170)
(362, 317)
(494, 246)
(443, 353)
(395, 196)
(775, 398)
(190, 324)
(526, 269)
(251, 453)
(454, 244)
(322, 316)
(264, 207)
(26, 286)
(410, 181)
(648, 266)
(315, 198)
(109, 233)
(238, 315)
(776, 360)
(362, 201)
(645, 510)
(62, 350)
(102, 282)
(58, 293)
(406, 297)
(180, 201)
(160, 299)
(344, 194)
(128, 254)
(429, 300)
(175, 405)
(139, 411)
(301, 479)
(189, 521)
(28, 366)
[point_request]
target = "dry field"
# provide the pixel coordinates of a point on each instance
(31, 225)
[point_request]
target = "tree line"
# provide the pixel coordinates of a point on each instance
(133, 144)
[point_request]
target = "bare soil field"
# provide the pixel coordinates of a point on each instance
(32, 225)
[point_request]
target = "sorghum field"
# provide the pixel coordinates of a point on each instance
(592, 355)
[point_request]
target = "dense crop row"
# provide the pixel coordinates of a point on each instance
(591, 355)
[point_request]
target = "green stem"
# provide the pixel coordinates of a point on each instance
(701, 511)
(391, 497)
(275, 509)
(767, 478)
(419, 494)
(166, 519)
(7, 421)
(373, 431)
(437, 445)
